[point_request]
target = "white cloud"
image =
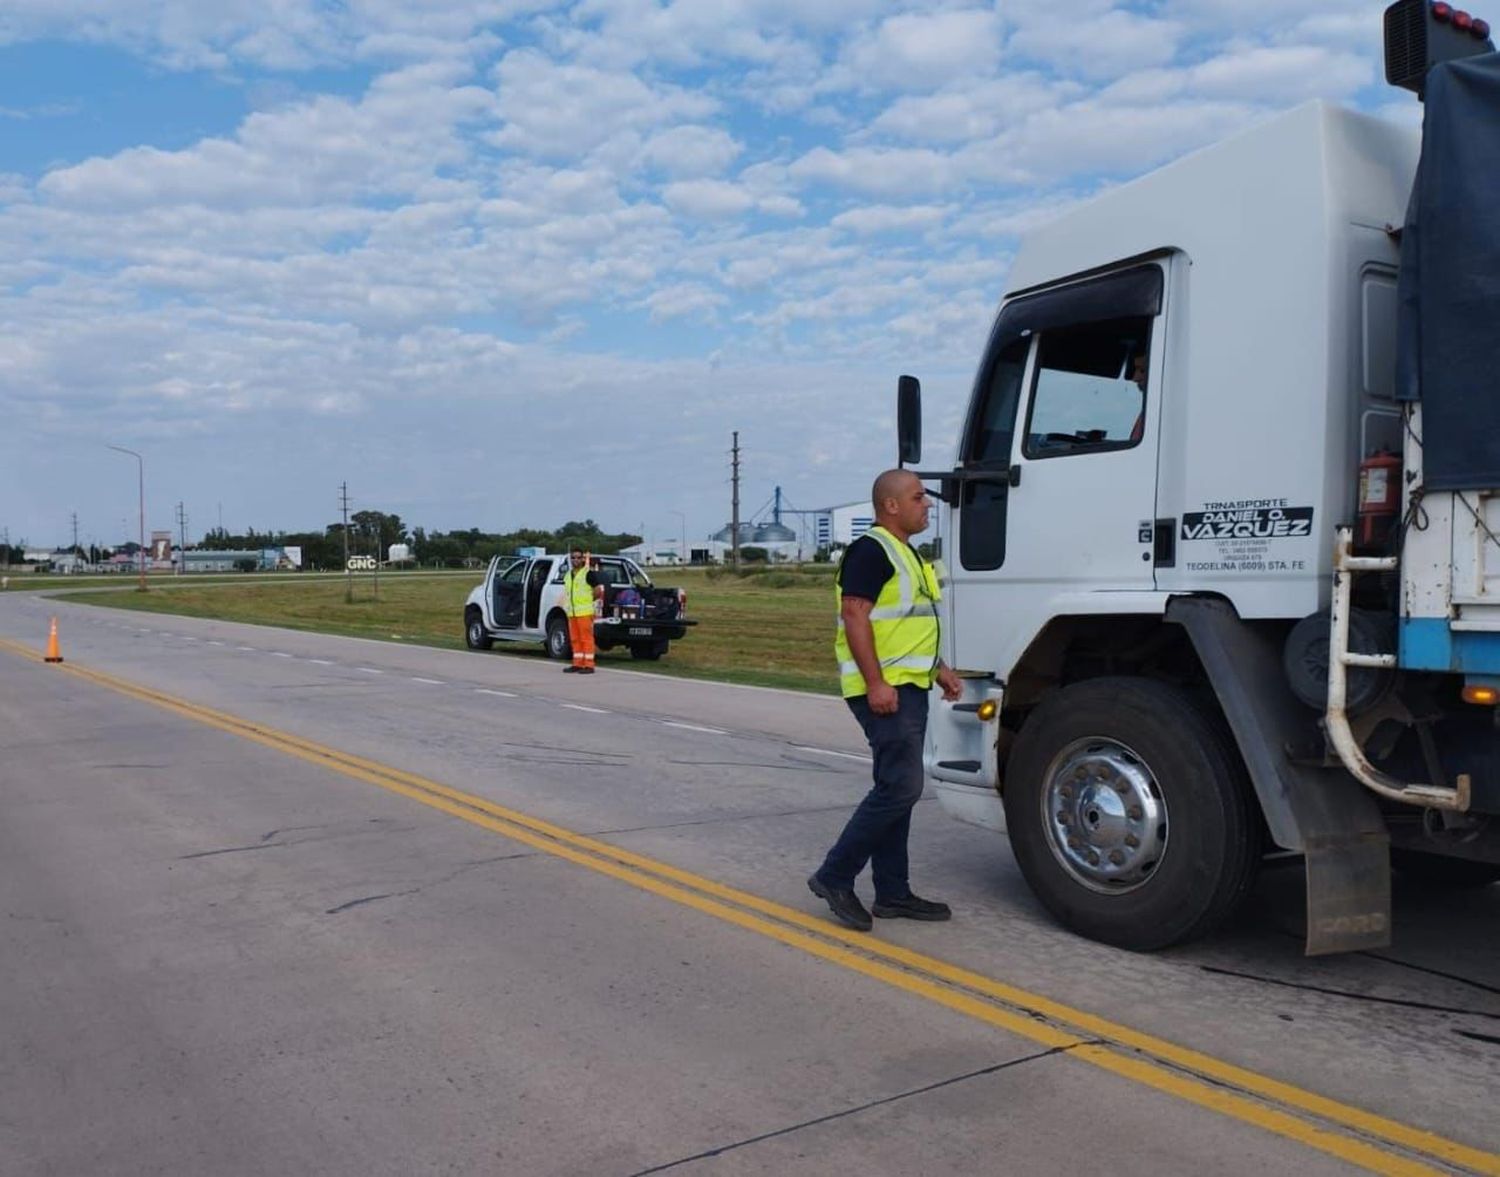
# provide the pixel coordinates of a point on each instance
(887, 172)
(780, 206)
(708, 198)
(916, 51)
(277, 34)
(684, 300)
(690, 151)
(404, 128)
(1103, 43)
(1092, 138)
(890, 219)
(557, 110)
(1281, 74)
(966, 112)
(13, 188)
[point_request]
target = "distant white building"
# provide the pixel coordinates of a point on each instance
(838, 527)
(704, 551)
(651, 554)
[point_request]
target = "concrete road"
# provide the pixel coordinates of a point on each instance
(230, 947)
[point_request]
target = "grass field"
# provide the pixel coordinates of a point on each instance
(771, 629)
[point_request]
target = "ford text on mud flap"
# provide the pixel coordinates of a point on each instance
(1224, 564)
(521, 600)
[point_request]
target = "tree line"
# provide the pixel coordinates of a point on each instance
(374, 532)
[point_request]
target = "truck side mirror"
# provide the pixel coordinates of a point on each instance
(908, 420)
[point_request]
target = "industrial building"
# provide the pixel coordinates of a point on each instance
(784, 533)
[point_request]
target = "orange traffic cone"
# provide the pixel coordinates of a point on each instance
(53, 653)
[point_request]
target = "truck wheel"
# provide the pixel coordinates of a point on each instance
(1129, 813)
(648, 653)
(1438, 870)
(558, 646)
(474, 634)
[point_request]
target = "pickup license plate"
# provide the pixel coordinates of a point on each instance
(640, 631)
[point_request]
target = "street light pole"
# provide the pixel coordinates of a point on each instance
(140, 552)
(683, 519)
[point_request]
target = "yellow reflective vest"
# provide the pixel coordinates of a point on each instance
(904, 620)
(578, 593)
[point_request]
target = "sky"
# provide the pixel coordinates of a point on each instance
(505, 263)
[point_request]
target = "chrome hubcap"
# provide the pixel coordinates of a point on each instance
(1104, 814)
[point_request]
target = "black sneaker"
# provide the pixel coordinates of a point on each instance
(571, 669)
(845, 905)
(912, 908)
(585, 670)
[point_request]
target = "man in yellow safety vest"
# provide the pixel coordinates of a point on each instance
(887, 651)
(578, 600)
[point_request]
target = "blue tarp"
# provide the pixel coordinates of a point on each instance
(1448, 330)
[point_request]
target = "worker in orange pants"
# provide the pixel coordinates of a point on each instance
(578, 599)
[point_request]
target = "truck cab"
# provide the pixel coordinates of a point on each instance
(521, 600)
(1206, 596)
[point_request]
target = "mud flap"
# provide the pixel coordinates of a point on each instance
(1348, 896)
(1323, 813)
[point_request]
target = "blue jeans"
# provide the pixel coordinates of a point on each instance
(876, 832)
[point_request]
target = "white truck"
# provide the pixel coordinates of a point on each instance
(1223, 575)
(521, 600)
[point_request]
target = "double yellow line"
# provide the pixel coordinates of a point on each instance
(1341, 1130)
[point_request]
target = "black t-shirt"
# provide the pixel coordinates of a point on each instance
(865, 569)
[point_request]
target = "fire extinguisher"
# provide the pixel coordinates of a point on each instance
(1379, 496)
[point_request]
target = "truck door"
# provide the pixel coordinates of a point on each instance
(507, 595)
(1056, 480)
(536, 582)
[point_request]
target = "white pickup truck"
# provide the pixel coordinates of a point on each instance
(521, 600)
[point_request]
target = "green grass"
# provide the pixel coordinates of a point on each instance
(767, 629)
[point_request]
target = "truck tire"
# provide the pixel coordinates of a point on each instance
(648, 651)
(1440, 871)
(558, 645)
(1129, 813)
(474, 634)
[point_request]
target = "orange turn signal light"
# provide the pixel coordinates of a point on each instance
(987, 710)
(1482, 695)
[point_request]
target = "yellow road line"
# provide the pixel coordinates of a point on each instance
(1143, 1058)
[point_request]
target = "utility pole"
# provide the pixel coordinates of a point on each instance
(75, 533)
(140, 471)
(734, 515)
(348, 575)
(181, 538)
(375, 523)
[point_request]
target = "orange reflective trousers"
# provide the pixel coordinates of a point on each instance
(581, 638)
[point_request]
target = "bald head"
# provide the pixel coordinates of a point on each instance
(888, 490)
(900, 503)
